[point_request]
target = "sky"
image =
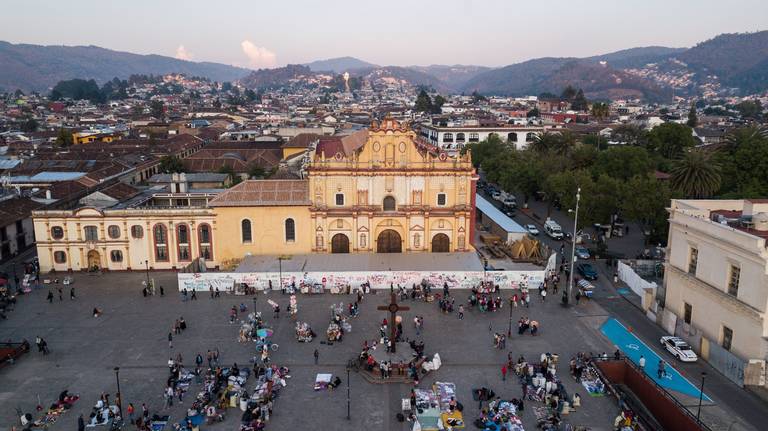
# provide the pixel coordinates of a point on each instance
(260, 33)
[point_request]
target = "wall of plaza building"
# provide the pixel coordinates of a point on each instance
(73, 240)
(703, 287)
(268, 230)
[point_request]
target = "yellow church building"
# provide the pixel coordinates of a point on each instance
(379, 190)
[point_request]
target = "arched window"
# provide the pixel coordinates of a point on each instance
(245, 227)
(448, 137)
(116, 256)
(460, 138)
(512, 137)
(59, 257)
(474, 137)
(57, 232)
(182, 241)
(530, 136)
(161, 243)
(389, 203)
(205, 241)
(290, 230)
(137, 231)
(113, 231)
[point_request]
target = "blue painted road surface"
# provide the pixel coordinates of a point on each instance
(633, 348)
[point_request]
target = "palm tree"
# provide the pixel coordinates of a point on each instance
(695, 174)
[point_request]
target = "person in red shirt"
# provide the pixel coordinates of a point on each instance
(504, 372)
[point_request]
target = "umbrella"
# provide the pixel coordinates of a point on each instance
(264, 332)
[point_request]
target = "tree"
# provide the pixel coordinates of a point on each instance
(157, 108)
(596, 141)
(231, 174)
(423, 102)
(695, 174)
(64, 138)
(568, 93)
(171, 164)
(750, 109)
(560, 142)
(670, 140)
(645, 201)
(485, 150)
(437, 105)
(600, 111)
(77, 89)
(623, 162)
(29, 124)
(533, 113)
(692, 119)
(256, 171)
(579, 102)
(744, 162)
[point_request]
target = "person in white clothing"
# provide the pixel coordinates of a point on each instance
(641, 362)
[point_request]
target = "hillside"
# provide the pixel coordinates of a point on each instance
(636, 57)
(338, 65)
(37, 67)
(272, 78)
(454, 76)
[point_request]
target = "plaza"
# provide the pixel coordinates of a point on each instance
(132, 335)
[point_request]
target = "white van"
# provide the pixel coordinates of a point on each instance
(553, 229)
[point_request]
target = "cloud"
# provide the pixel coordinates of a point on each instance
(258, 57)
(183, 54)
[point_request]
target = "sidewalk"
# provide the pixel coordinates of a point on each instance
(734, 408)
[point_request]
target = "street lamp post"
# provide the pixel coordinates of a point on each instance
(119, 394)
(348, 407)
(701, 396)
(573, 248)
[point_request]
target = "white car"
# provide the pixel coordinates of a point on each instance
(679, 348)
(532, 229)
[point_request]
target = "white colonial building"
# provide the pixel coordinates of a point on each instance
(454, 136)
(716, 278)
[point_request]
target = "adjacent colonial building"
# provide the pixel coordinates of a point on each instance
(716, 279)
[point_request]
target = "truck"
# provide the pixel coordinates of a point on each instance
(553, 229)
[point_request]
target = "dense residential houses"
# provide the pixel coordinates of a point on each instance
(69, 154)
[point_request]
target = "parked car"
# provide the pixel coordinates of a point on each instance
(587, 271)
(496, 195)
(582, 252)
(532, 229)
(679, 348)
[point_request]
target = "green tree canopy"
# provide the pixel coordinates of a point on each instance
(670, 140)
(693, 120)
(696, 175)
(171, 164)
(623, 162)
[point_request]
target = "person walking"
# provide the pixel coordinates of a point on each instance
(44, 346)
(461, 311)
(61, 295)
(162, 291)
(131, 411)
(194, 295)
(543, 295)
(641, 362)
(144, 412)
(80, 423)
(71, 293)
(50, 296)
(661, 371)
(170, 340)
(504, 372)
(317, 356)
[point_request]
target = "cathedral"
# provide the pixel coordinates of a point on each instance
(379, 190)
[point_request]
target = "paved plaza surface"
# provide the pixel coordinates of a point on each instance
(132, 334)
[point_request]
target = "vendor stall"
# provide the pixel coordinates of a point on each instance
(586, 288)
(304, 332)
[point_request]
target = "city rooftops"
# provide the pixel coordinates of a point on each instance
(265, 193)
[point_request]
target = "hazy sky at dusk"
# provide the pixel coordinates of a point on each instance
(260, 33)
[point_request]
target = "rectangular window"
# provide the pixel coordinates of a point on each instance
(340, 199)
(733, 280)
(91, 233)
(693, 261)
(727, 338)
(687, 312)
(441, 199)
(3, 234)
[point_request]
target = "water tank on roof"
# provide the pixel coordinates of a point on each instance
(760, 221)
